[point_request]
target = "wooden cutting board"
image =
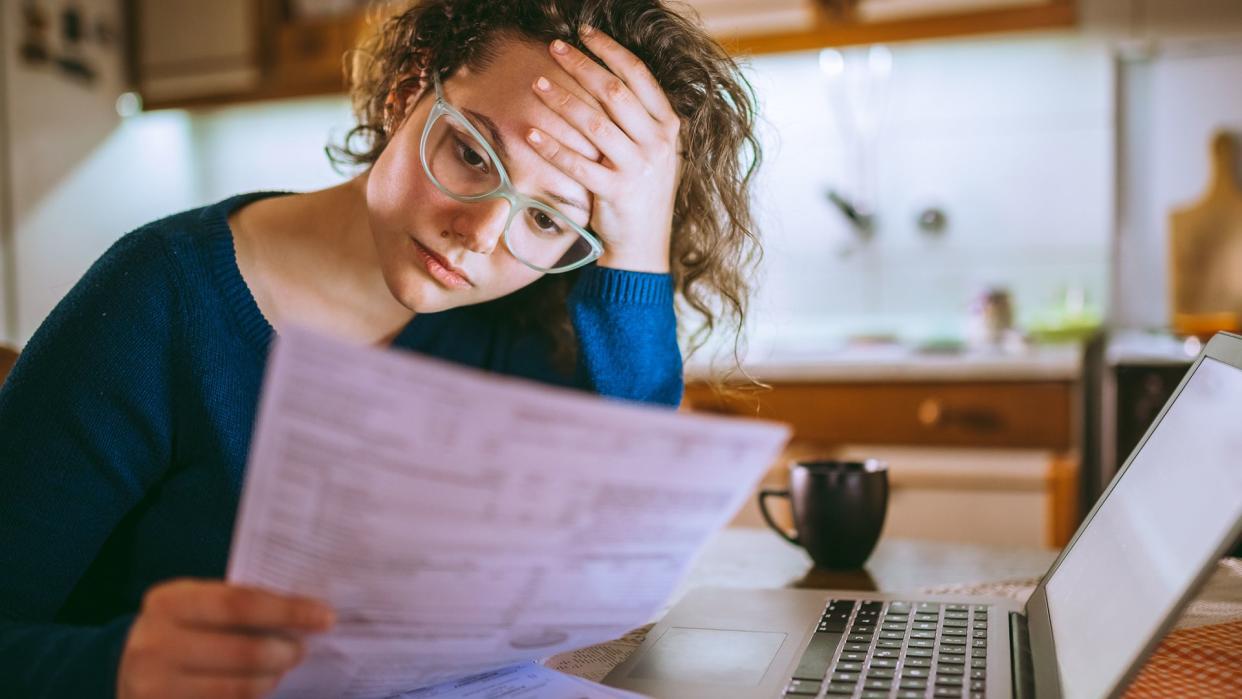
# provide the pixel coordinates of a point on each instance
(1205, 250)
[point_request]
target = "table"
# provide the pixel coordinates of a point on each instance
(749, 557)
(1203, 657)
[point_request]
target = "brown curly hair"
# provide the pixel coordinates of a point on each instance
(714, 243)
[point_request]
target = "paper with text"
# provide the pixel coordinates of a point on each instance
(460, 521)
(526, 681)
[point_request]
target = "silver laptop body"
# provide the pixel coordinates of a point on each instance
(1152, 539)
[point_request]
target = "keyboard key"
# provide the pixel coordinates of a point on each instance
(924, 626)
(926, 617)
(888, 644)
(886, 653)
(878, 684)
(838, 688)
(948, 681)
(952, 660)
(952, 641)
(922, 634)
(954, 633)
(952, 650)
(884, 662)
(898, 635)
(978, 674)
(817, 656)
(979, 643)
(858, 647)
(913, 684)
(978, 652)
(856, 657)
(845, 677)
(904, 607)
(874, 694)
(919, 653)
(955, 624)
(803, 687)
(928, 606)
(978, 685)
(890, 626)
(981, 634)
(860, 638)
(918, 662)
(948, 669)
(910, 694)
(881, 673)
(979, 663)
(957, 615)
(957, 607)
(948, 692)
(916, 672)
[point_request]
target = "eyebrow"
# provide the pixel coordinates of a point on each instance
(503, 152)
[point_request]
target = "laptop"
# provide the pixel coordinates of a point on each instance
(1154, 537)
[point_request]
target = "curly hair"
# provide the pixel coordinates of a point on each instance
(714, 245)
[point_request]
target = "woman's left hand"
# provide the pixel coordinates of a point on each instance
(637, 132)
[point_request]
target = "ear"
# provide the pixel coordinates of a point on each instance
(398, 105)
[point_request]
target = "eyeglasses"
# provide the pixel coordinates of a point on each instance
(459, 162)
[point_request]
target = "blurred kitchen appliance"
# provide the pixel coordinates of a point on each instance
(1205, 252)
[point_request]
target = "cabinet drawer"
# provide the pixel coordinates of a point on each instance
(1001, 414)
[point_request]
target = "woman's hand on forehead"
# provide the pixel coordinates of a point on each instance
(638, 133)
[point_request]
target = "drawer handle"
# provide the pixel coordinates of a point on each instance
(933, 413)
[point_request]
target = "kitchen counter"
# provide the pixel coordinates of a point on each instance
(899, 362)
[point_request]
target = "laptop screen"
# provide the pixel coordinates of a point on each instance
(1161, 524)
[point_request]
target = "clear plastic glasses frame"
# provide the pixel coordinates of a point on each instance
(518, 202)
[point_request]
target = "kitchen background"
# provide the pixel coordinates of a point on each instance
(903, 181)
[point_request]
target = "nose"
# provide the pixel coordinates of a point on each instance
(480, 224)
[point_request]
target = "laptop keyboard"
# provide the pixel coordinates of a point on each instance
(895, 650)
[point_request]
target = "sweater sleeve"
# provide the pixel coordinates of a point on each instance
(627, 335)
(85, 431)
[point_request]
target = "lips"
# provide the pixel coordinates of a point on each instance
(440, 270)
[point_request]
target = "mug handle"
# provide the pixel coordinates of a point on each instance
(763, 510)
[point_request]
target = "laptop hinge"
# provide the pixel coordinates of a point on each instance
(1022, 665)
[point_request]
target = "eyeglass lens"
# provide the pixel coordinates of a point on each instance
(539, 235)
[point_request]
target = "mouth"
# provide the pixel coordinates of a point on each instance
(441, 271)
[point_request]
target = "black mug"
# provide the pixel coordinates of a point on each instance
(838, 510)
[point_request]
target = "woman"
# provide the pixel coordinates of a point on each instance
(533, 195)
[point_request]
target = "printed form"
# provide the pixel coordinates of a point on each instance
(461, 522)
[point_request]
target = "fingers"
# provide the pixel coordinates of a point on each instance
(211, 604)
(611, 91)
(214, 652)
(596, 125)
(585, 171)
(630, 68)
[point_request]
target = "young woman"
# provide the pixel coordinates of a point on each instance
(540, 180)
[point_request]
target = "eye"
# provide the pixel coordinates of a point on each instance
(471, 157)
(545, 223)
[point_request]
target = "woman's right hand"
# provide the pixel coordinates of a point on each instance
(206, 638)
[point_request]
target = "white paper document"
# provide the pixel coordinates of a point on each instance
(460, 521)
(526, 681)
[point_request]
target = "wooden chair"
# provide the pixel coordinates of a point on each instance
(8, 357)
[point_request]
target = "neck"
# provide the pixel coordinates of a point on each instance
(343, 255)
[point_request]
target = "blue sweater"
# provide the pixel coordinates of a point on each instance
(125, 425)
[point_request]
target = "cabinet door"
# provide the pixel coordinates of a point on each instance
(887, 10)
(189, 48)
(755, 17)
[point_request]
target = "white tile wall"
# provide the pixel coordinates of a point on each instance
(1013, 139)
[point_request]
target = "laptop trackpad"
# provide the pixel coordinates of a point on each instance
(712, 656)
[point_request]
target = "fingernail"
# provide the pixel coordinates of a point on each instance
(543, 84)
(559, 46)
(586, 30)
(534, 136)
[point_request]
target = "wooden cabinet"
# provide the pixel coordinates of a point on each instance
(984, 461)
(189, 53)
(811, 24)
(186, 49)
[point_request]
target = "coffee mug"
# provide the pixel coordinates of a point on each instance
(838, 509)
